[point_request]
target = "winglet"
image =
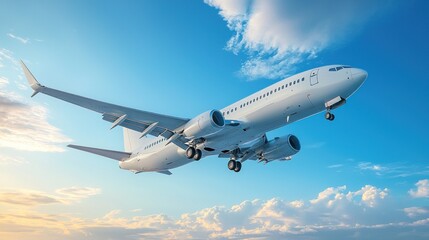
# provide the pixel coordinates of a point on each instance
(34, 84)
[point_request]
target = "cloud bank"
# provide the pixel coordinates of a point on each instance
(334, 213)
(278, 34)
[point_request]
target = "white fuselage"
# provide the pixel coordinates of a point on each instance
(282, 103)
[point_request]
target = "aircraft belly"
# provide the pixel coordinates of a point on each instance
(168, 157)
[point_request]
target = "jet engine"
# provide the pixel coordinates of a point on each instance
(281, 148)
(205, 124)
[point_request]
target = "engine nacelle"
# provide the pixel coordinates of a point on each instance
(280, 148)
(205, 124)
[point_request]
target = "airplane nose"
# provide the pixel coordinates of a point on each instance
(359, 75)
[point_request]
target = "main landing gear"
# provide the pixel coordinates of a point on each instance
(234, 165)
(196, 154)
(329, 116)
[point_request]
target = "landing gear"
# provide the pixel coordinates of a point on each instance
(190, 152)
(237, 166)
(234, 165)
(197, 155)
(329, 116)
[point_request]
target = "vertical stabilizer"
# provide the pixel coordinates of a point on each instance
(132, 141)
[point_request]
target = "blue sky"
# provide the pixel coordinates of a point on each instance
(365, 175)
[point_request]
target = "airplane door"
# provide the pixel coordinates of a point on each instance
(314, 77)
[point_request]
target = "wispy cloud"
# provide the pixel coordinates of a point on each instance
(8, 160)
(413, 212)
(20, 39)
(25, 127)
(422, 190)
(77, 193)
(30, 198)
(277, 34)
(335, 166)
(394, 169)
(7, 55)
(3, 81)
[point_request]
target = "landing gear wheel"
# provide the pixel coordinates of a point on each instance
(237, 166)
(232, 164)
(329, 116)
(197, 155)
(190, 152)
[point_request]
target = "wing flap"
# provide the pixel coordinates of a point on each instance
(103, 152)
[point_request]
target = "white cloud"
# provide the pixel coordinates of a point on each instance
(277, 34)
(7, 55)
(25, 127)
(30, 198)
(415, 211)
(347, 216)
(422, 190)
(3, 81)
(371, 167)
(77, 193)
(8, 160)
(20, 39)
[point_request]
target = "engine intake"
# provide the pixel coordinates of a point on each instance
(205, 124)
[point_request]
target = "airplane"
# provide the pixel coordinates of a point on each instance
(236, 132)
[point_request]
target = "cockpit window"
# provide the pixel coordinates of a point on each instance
(339, 68)
(332, 69)
(347, 67)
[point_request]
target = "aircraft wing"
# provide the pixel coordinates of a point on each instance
(142, 121)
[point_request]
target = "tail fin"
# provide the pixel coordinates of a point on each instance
(132, 140)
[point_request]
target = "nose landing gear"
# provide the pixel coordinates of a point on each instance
(329, 116)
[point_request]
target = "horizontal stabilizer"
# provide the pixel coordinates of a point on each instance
(103, 152)
(166, 172)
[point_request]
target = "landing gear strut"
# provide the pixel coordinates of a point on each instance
(234, 165)
(329, 116)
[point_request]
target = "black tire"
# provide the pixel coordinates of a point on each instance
(237, 166)
(198, 154)
(328, 116)
(231, 164)
(332, 117)
(190, 152)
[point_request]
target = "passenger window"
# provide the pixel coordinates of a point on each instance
(275, 90)
(302, 79)
(227, 112)
(283, 87)
(290, 84)
(271, 92)
(294, 82)
(264, 95)
(236, 109)
(297, 81)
